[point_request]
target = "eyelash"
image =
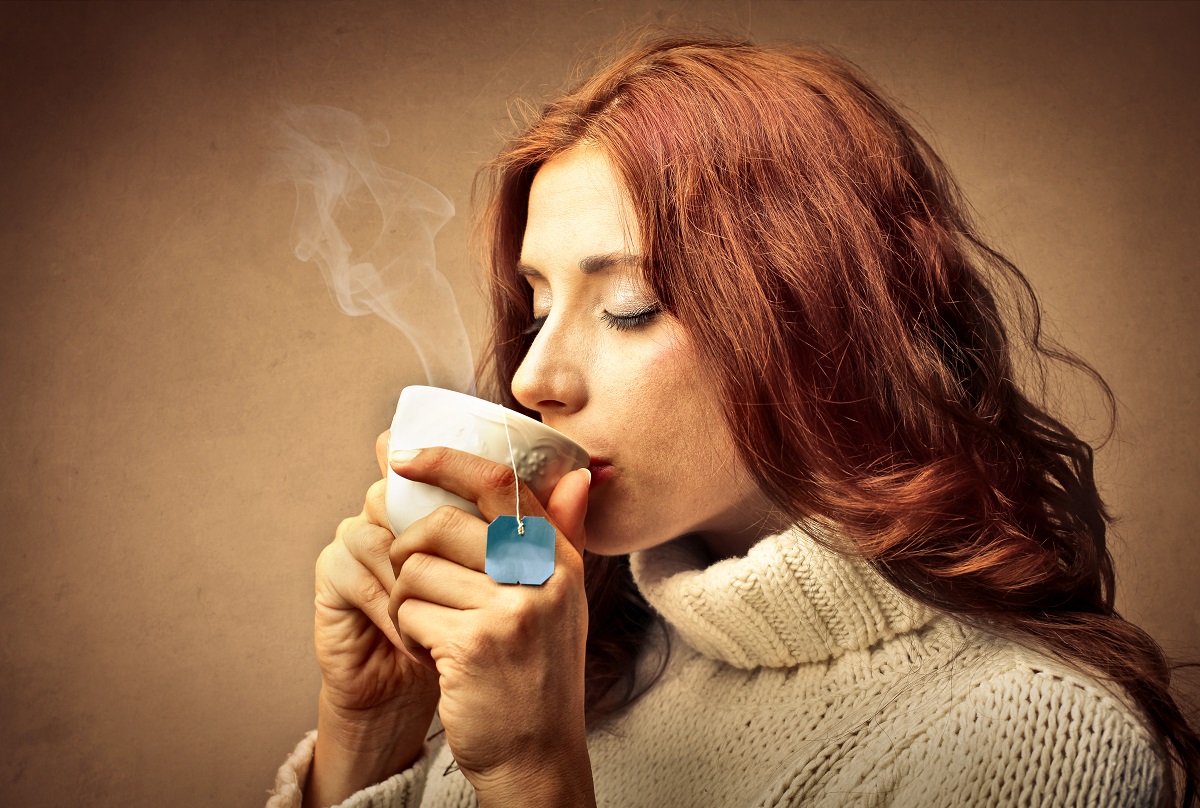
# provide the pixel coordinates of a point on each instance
(621, 322)
(628, 322)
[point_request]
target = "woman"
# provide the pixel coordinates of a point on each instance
(749, 288)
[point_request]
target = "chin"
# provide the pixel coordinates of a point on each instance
(610, 548)
(606, 539)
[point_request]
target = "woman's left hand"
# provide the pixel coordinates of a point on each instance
(510, 658)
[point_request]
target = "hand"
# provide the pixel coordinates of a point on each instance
(376, 702)
(510, 658)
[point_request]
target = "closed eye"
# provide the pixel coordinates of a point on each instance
(627, 322)
(621, 322)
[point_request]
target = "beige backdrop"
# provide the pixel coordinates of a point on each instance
(186, 416)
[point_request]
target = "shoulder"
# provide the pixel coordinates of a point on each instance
(1029, 729)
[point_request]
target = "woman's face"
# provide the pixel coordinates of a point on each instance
(619, 377)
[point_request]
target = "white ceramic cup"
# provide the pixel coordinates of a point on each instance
(431, 416)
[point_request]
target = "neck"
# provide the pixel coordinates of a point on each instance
(788, 601)
(749, 525)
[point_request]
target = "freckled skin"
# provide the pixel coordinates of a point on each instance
(635, 397)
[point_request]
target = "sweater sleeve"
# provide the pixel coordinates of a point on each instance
(402, 790)
(1030, 737)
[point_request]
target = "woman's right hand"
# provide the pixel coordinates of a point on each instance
(376, 701)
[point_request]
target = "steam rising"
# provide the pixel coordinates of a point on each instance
(339, 187)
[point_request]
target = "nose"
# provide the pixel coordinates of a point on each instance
(552, 377)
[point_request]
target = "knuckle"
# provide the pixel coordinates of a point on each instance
(375, 505)
(499, 478)
(519, 618)
(416, 567)
(444, 518)
(364, 589)
(378, 490)
(325, 560)
(476, 643)
(377, 542)
(348, 530)
(365, 540)
(434, 459)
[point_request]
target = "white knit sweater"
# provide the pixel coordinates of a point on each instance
(798, 677)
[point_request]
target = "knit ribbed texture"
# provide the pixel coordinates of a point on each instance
(787, 602)
(798, 677)
(405, 789)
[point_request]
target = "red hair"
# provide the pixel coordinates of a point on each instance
(820, 256)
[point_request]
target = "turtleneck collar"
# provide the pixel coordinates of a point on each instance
(788, 601)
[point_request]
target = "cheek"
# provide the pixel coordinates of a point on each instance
(661, 368)
(676, 416)
(657, 387)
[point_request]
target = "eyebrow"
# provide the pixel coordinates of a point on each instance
(592, 264)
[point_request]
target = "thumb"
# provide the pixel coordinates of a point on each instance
(568, 506)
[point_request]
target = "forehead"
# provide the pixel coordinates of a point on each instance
(577, 205)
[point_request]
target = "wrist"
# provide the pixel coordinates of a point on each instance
(359, 748)
(375, 730)
(561, 781)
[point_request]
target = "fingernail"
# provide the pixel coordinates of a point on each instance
(404, 455)
(588, 472)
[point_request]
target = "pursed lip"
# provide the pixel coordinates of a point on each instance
(601, 469)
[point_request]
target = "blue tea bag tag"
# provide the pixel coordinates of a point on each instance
(513, 558)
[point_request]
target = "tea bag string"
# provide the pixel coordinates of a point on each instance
(516, 479)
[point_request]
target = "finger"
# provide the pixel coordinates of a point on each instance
(435, 580)
(381, 451)
(375, 505)
(370, 544)
(568, 506)
(423, 628)
(448, 532)
(492, 486)
(345, 587)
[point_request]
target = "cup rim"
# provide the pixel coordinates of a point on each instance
(480, 406)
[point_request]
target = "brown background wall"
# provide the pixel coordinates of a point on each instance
(185, 416)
